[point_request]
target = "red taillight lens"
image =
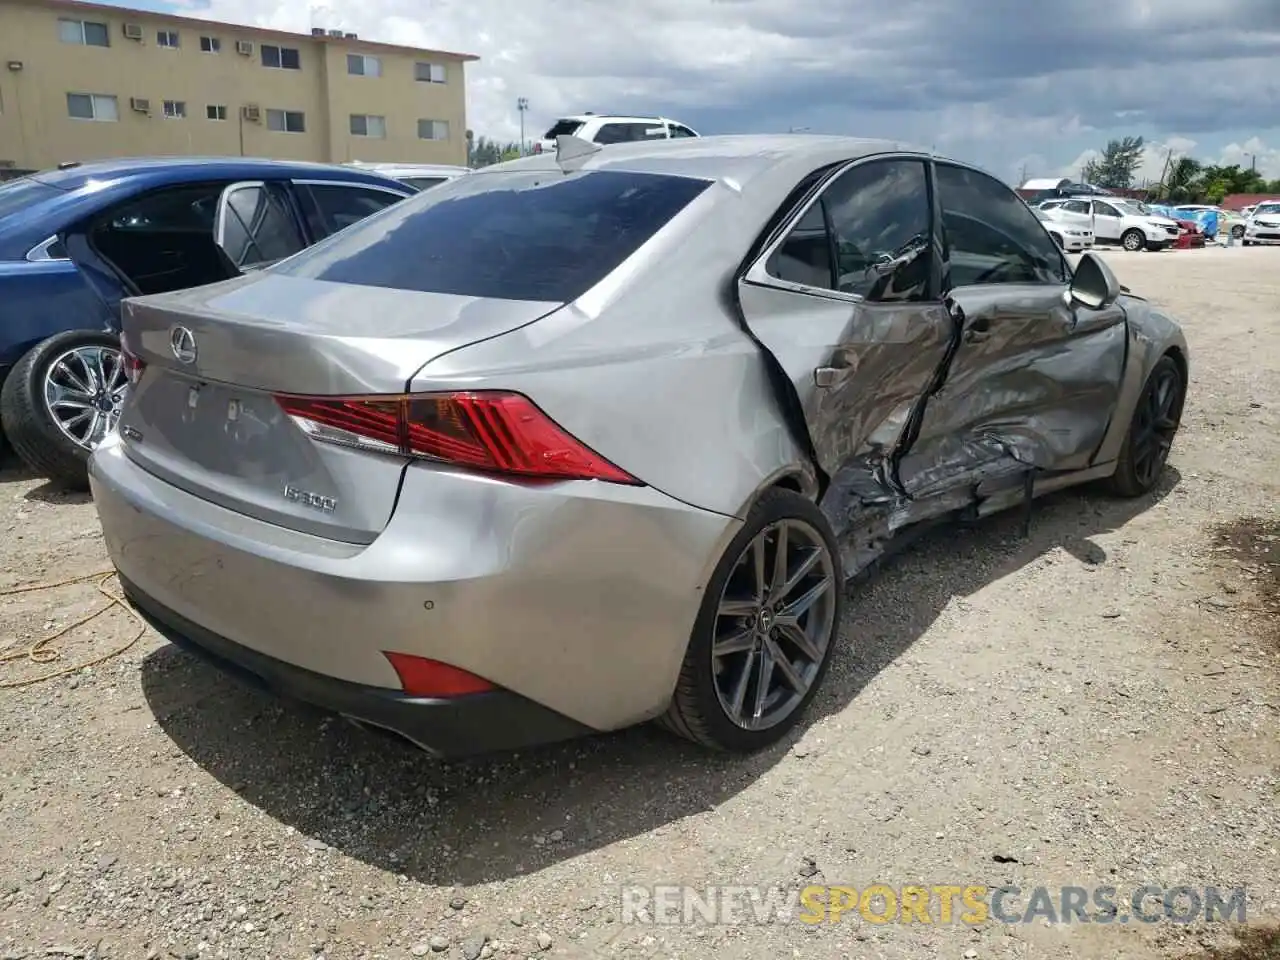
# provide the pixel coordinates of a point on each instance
(420, 677)
(496, 432)
(133, 366)
(537, 148)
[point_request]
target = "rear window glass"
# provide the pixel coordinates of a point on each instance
(563, 128)
(511, 236)
(16, 195)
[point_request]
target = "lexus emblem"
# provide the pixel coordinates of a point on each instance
(183, 344)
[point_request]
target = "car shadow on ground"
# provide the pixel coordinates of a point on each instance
(490, 819)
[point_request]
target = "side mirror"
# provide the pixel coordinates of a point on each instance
(1094, 284)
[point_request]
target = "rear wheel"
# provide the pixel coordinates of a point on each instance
(1154, 424)
(764, 637)
(1133, 240)
(60, 400)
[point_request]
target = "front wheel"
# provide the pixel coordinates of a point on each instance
(1133, 240)
(765, 634)
(59, 402)
(1154, 423)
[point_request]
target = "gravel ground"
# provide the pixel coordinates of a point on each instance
(1095, 704)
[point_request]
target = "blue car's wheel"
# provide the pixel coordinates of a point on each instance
(60, 400)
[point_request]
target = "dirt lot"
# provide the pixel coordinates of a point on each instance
(1094, 705)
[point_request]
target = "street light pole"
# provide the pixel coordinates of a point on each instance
(522, 104)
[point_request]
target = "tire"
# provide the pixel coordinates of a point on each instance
(1134, 477)
(1057, 238)
(28, 416)
(1237, 232)
(698, 710)
(1133, 240)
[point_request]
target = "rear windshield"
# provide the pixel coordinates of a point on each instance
(563, 128)
(15, 195)
(512, 236)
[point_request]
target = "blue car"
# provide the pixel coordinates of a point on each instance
(77, 240)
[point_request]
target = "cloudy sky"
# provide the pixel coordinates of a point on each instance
(1009, 84)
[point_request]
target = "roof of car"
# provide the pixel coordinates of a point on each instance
(739, 156)
(187, 168)
(410, 169)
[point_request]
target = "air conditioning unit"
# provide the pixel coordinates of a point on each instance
(244, 48)
(351, 36)
(335, 33)
(133, 31)
(251, 112)
(317, 31)
(140, 104)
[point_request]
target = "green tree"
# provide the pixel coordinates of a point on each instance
(485, 152)
(1182, 182)
(1117, 166)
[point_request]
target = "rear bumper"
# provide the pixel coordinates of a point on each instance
(447, 728)
(579, 597)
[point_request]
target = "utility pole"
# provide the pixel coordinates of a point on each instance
(522, 104)
(1022, 178)
(1253, 162)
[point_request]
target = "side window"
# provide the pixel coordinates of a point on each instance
(613, 133)
(680, 130)
(1077, 206)
(878, 242)
(257, 226)
(1105, 209)
(648, 131)
(333, 207)
(805, 256)
(991, 235)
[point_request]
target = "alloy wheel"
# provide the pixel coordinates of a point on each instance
(1155, 424)
(1132, 241)
(774, 624)
(84, 390)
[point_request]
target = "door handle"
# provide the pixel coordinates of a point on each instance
(830, 376)
(978, 330)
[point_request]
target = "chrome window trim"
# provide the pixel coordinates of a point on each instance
(40, 252)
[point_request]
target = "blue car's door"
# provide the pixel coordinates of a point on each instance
(106, 284)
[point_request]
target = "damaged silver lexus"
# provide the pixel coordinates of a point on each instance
(597, 437)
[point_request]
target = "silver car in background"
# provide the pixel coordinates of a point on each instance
(596, 437)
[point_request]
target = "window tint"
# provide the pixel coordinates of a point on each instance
(680, 130)
(614, 133)
(513, 236)
(1077, 206)
(878, 213)
(992, 236)
(563, 128)
(805, 256)
(333, 207)
(1105, 209)
(188, 209)
(257, 227)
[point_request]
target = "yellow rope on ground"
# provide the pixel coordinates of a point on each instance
(42, 652)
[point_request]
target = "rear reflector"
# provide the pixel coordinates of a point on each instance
(420, 677)
(133, 366)
(501, 433)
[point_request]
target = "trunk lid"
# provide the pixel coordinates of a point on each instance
(208, 422)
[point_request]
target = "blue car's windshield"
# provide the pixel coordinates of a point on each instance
(17, 195)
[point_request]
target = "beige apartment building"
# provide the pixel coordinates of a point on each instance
(81, 81)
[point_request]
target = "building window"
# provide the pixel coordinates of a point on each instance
(362, 66)
(167, 38)
(287, 121)
(83, 32)
(281, 58)
(92, 106)
(364, 125)
(175, 109)
(210, 45)
(429, 72)
(215, 112)
(433, 129)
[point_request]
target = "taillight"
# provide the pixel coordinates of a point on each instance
(420, 677)
(133, 365)
(537, 148)
(496, 432)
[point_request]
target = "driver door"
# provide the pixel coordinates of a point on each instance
(1106, 222)
(845, 300)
